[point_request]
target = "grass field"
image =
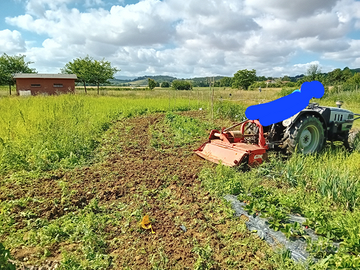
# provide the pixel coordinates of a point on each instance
(80, 172)
(42, 133)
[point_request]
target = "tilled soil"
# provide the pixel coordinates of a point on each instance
(161, 183)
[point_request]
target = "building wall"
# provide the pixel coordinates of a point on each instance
(51, 86)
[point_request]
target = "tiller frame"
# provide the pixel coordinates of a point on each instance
(230, 147)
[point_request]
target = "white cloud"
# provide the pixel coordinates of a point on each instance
(351, 55)
(11, 42)
(348, 10)
(323, 26)
(307, 65)
(189, 37)
(291, 10)
(323, 46)
(265, 50)
(133, 25)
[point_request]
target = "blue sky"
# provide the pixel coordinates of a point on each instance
(188, 38)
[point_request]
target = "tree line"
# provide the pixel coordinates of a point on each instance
(248, 80)
(87, 70)
(95, 72)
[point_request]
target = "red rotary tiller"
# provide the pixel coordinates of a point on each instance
(234, 147)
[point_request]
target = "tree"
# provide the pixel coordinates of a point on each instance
(261, 78)
(354, 79)
(286, 78)
(244, 78)
(338, 76)
(217, 84)
(80, 67)
(151, 84)
(226, 82)
(335, 76)
(10, 65)
(89, 70)
(313, 72)
(181, 85)
(100, 72)
(346, 73)
(165, 84)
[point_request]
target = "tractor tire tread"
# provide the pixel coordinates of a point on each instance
(291, 133)
(353, 142)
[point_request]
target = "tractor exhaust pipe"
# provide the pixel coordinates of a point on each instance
(339, 103)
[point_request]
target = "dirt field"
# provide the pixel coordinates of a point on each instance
(193, 230)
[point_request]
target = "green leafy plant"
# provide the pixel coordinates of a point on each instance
(178, 130)
(293, 231)
(228, 110)
(321, 248)
(4, 259)
(223, 180)
(259, 192)
(277, 218)
(251, 208)
(344, 261)
(204, 260)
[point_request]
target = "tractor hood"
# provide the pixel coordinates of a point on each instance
(331, 113)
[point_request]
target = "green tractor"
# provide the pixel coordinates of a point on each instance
(305, 132)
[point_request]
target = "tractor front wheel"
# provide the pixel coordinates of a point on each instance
(353, 142)
(306, 135)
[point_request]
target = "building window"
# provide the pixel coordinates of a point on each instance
(35, 85)
(58, 85)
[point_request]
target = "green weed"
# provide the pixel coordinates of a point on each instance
(287, 91)
(178, 130)
(45, 133)
(321, 248)
(84, 229)
(228, 110)
(185, 129)
(4, 259)
(223, 180)
(160, 261)
(204, 260)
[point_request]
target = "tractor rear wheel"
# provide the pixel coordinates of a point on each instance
(306, 135)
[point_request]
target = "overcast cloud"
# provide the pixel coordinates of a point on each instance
(185, 38)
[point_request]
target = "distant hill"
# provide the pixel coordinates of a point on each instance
(143, 80)
(157, 78)
(125, 78)
(196, 81)
(355, 70)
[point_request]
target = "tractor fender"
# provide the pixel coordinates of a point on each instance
(288, 123)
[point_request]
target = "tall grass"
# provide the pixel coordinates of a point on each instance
(333, 175)
(42, 133)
